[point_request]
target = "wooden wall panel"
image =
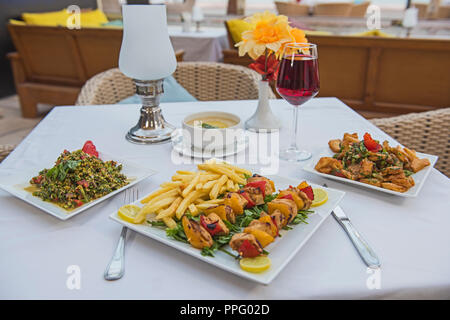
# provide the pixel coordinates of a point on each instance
(416, 77)
(342, 70)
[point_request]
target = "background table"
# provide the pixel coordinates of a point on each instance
(206, 45)
(410, 235)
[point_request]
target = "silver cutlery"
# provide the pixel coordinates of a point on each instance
(116, 267)
(365, 251)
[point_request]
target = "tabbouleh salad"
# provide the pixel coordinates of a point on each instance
(78, 177)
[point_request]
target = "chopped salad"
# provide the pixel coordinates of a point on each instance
(78, 177)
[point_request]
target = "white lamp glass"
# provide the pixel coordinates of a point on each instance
(411, 17)
(197, 15)
(147, 56)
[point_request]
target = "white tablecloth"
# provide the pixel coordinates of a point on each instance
(411, 236)
(206, 45)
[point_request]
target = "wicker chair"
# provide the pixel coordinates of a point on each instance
(333, 9)
(204, 80)
(427, 132)
(359, 10)
(5, 150)
(292, 9)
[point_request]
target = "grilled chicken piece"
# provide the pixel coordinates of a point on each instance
(266, 227)
(386, 146)
(418, 164)
(255, 195)
(401, 155)
(279, 219)
(213, 219)
(335, 145)
(350, 138)
(392, 170)
(371, 181)
(286, 206)
(400, 180)
(197, 236)
(307, 201)
(354, 169)
(366, 167)
(223, 211)
(393, 187)
(238, 238)
(350, 175)
(328, 165)
(410, 154)
(236, 202)
(376, 156)
(270, 186)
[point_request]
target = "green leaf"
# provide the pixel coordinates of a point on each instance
(157, 224)
(208, 126)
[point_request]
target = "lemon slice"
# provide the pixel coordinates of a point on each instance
(130, 213)
(320, 197)
(255, 265)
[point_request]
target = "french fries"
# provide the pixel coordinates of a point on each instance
(223, 170)
(217, 186)
(193, 191)
(170, 211)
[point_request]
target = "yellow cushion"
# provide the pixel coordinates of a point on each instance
(55, 18)
(317, 33)
(17, 22)
(236, 27)
(92, 18)
(373, 33)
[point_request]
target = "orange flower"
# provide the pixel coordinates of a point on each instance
(268, 31)
(296, 35)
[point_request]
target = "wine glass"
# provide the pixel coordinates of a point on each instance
(297, 82)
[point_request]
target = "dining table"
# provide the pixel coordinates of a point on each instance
(39, 253)
(204, 44)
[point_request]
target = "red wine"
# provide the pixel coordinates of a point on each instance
(298, 79)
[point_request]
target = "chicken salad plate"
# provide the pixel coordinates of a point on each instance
(232, 218)
(369, 163)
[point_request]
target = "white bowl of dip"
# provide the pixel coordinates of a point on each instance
(212, 130)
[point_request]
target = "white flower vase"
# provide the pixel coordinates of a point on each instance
(263, 119)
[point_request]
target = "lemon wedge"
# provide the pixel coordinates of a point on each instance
(130, 213)
(320, 197)
(255, 265)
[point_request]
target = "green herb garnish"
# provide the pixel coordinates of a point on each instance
(208, 126)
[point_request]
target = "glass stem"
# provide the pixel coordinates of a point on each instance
(294, 128)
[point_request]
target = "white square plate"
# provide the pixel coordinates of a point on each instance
(419, 177)
(282, 250)
(15, 181)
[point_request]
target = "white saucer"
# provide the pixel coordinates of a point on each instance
(189, 151)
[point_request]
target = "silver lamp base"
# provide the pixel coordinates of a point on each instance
(151, 128)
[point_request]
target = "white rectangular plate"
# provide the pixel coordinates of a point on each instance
(419, 177)
(282, 250)
(15, 181)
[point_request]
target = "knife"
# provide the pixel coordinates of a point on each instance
(365, 251)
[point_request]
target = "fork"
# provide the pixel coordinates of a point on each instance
(116, 267)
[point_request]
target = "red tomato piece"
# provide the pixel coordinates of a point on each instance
(212, 228)
(309, 192)
(250, 203)
(78, 202)
(90, 148)
(371, 144)
(247, 250)
(287, 196)
(261, 185)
